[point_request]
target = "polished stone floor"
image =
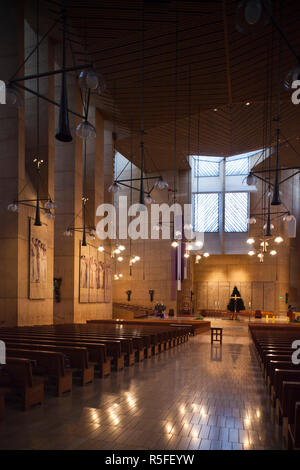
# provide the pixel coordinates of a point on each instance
(192, 397)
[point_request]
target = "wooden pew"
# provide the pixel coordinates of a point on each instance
(165, 332)
(77, 356)
(274, 351)
(294, 430)
(195, 326)
(113, 347)
(111, 341)
(285, 406)
(281, 375)
(97, 351)
(20, 377)
(50, 364)
(3, 392)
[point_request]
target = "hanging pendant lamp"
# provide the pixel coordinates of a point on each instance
(37, 160)
(142, 206)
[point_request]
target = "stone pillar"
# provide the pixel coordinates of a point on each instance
(12, 165)
(95, 194)
(36, 311)
(68, 197)
(68, 200)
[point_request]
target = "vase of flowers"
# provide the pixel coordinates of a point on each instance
(159, 309)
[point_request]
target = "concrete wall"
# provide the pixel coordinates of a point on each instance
(262, 284)
(15, 305)
(18, 181)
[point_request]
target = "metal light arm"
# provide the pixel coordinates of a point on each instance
(52, 72)
(45, 98)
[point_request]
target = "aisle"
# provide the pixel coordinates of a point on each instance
(192, 397)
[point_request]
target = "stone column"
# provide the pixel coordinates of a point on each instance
(37, 311)
(68, 200)
(12, 164)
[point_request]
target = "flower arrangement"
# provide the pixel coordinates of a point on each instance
(159, 309)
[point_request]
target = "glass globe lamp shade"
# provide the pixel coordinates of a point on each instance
(161, 184)
(49, 205)
(289, 217)
(14, 97)
(137, 258)
(271, 226)
(251, 15)
(261, 257)
(85, 130)
(92, 234)
(88, 79)
(278, 239)
(199, 243)
(174, 244)
(251, 253)
(68, 233)
(141, 207)
(251, 180)
(148, 200)
(12, 207)
(253, 11)
(273, 252)
(82, 79)
(101, 84)
(49, 215)
(270, 194)
(252, 220)
(120, 258)
(100, 248)
(186, 255)
(92, 79)
(121, 247)
(114, 188)
(250, 241)
(292, 76)
(206, 255)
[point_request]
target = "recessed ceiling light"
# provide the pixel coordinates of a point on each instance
(247, 103)
(215, 109)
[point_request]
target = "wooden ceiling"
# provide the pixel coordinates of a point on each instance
(218, 71)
